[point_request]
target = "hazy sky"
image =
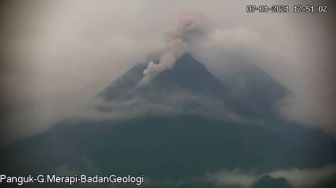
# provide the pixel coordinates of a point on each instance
(59, 54)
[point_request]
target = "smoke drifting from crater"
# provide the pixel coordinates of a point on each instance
(191, 25)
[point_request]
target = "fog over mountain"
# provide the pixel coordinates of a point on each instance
(59, 54)
(187, 93)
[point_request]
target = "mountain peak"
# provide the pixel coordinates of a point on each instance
(190, 74)
(187, 58)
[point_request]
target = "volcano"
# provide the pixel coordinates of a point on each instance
(188, 75)
(189, 78)
(187, 123)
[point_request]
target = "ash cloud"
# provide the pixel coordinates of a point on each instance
(190, 26)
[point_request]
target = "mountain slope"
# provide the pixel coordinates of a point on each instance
(163, 148)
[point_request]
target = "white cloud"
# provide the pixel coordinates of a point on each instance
(298, 178)
(232, 178)
(303, 178)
